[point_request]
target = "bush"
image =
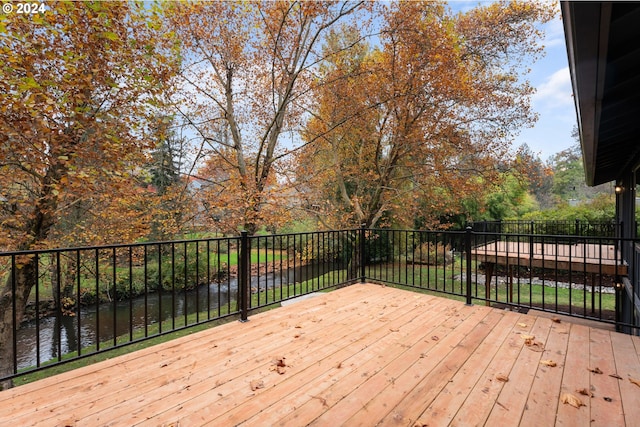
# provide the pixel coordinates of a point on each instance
(432, 254)
(378, 248)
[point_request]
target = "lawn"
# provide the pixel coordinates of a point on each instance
(446, 281)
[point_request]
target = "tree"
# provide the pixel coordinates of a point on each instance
(568, 177)
(166, 158)
(247, 70)
(538, 175)
(436, 108)
(77, 86)
(174, 202)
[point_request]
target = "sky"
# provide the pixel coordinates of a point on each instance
(553, 100)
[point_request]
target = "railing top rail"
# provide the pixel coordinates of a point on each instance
(347, 230)
(304, 233)
(112, 246)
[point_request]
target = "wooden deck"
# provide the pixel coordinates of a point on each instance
(363, 355)
(583, 257)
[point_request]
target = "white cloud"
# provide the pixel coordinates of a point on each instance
(555, 91)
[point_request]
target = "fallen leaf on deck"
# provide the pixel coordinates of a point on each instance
(435, 338)
(394, 329)
(608, 399)
(256, 384)
(522, 325)
(556, 320)
(534, 345)
(615, 376)
(502, 378)
(528, 338)
(585, 392)
(595, 370)
(549, 363)
(571, 400)
(634, 381)
(280, 366)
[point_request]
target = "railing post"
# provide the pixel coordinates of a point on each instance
(467, 249)
(362, 254)
(531, 232)
(243, 277)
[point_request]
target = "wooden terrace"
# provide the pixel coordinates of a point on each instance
(583, 257)
(361, 355)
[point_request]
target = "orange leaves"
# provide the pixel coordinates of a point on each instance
(413, 128)
(248, 71)
(72, 120)
(279, 366)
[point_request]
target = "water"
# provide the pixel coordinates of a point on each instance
(97, 324)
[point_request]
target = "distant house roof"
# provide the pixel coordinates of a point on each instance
(603, 45)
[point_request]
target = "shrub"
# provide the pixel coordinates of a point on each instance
(432, 254)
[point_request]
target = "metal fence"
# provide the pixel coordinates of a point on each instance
(552, 227)
(582, 278)
(88, 300)
(82, 301)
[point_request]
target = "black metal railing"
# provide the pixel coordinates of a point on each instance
(521, 271)
(82, 301)
(93, 299)
(576, 227)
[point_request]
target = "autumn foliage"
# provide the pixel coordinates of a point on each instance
(354, 112)
(405, 131)
(246, 77)
(79, 85)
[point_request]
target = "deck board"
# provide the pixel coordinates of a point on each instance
(576, 377)
(361, 355)
(512, 400)
(441, 412)
(542, 403)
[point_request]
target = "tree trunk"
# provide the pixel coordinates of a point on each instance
(15, 294)
(24, 279)
(355, 262)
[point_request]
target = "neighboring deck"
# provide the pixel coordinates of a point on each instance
(361, 355)
(583, 257)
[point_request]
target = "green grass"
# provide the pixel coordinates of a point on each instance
(434, 279)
